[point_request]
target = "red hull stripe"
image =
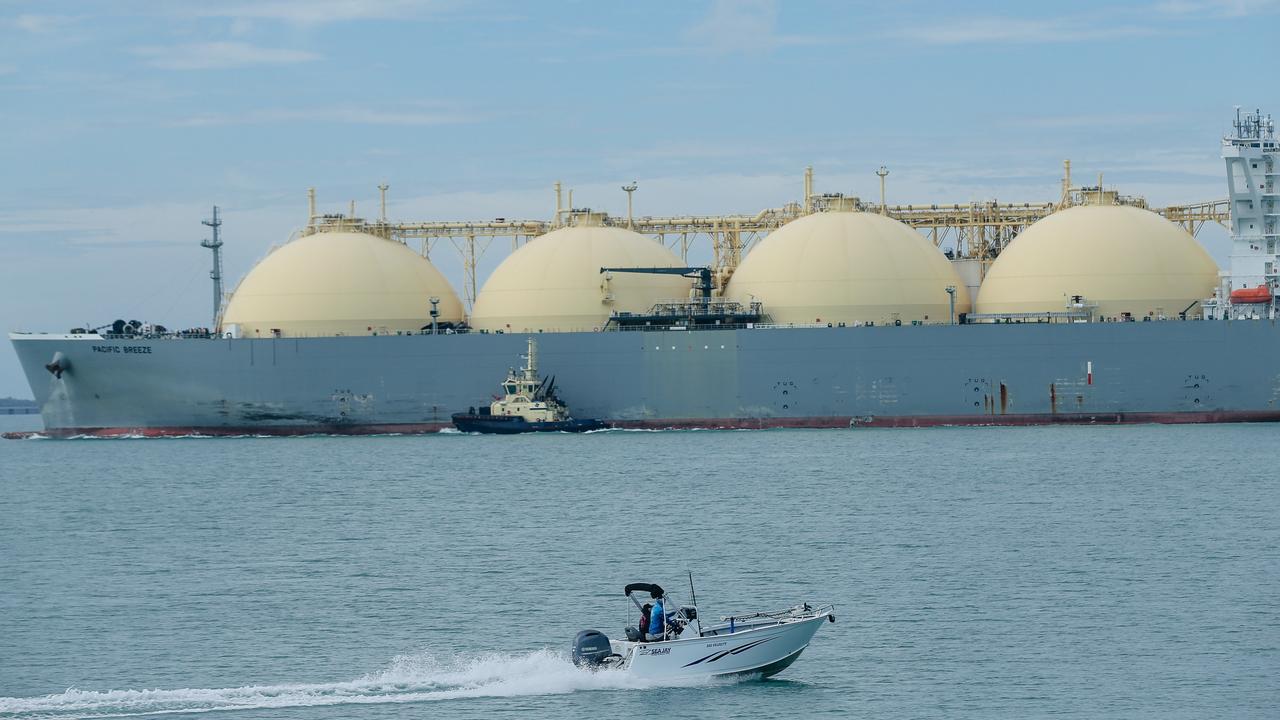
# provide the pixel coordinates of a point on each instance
(1117, 418)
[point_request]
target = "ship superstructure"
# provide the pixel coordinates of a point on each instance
(1252, 157)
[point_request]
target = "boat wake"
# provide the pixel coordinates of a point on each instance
(408, 679)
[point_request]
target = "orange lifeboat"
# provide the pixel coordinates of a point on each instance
(1260, 294)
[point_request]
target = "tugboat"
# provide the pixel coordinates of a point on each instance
(530, 405)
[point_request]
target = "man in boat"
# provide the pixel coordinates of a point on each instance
(657, 619)
(653, 618)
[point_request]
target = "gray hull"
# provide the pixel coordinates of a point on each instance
(795, 377)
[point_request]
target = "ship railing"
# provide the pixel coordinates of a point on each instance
(676, 327)
(787, 326)
(709, 306)
(669, 326)
(203, 334)
(1082, 314)
(855, 324)
(175, 335)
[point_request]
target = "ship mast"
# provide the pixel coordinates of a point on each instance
(531, 368)
(215, 244)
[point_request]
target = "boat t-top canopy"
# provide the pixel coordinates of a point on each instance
(653, 590)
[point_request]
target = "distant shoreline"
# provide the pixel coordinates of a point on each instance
(18, 406)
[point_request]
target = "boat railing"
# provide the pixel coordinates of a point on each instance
(801, 610)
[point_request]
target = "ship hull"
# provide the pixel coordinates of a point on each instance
(1103, 373)
(514, 425)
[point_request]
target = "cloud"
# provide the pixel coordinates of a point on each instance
(1114, 22)
(1017, 30)
(74, 226)
(733, 23)
(41, 24)
(738, 26)
(691, 152)
(240, 27)
(1217, 8)
(319, 12)
(219, 55)
(1092, 121)
(413, 116)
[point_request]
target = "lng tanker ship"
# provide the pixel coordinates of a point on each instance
(1100, 313)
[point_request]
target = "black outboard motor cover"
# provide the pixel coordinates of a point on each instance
(590, 648)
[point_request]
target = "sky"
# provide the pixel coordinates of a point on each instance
(123, 122)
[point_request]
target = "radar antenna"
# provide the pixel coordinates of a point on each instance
(215, 245)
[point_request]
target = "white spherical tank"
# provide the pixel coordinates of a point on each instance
(850, 267)
(554, 282)
(340, 283)
(1123, 259)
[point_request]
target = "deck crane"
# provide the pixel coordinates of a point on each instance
(703, 275)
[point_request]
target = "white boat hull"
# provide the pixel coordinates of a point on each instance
(763, 650)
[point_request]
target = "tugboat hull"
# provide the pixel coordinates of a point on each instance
(513, 425)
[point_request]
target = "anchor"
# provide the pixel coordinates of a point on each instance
(58, 365)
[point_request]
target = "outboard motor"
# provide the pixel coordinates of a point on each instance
(591, 649)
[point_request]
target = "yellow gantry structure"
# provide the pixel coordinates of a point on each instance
(972, 230)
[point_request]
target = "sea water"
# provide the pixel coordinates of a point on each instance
(1081, 572)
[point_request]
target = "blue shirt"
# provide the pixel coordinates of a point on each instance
(656, 618)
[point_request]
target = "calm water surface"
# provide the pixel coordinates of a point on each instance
(1119, 572)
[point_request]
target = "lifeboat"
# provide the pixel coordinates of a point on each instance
(1260, 294)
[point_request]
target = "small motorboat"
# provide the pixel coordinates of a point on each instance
(760, 643)
(529, 404)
